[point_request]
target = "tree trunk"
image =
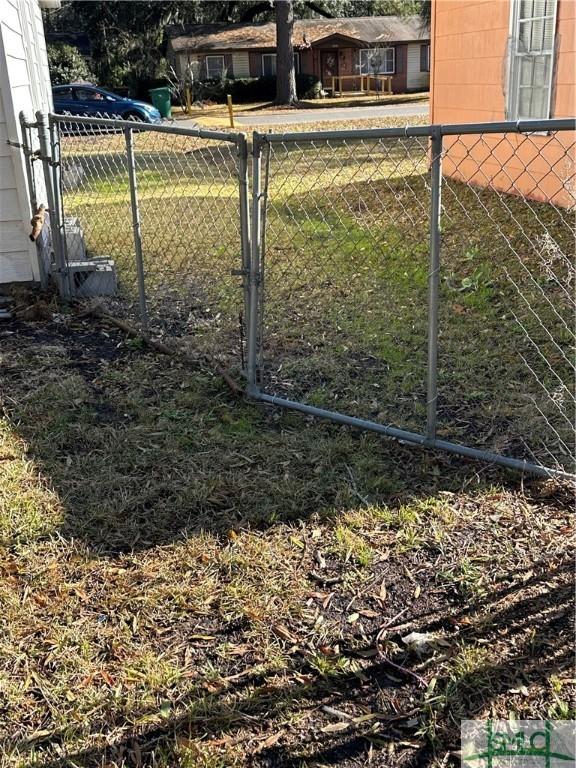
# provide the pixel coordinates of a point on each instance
(285, 76)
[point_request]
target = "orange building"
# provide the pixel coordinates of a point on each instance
(495, 60)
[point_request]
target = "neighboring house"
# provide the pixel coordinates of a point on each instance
(323, 47)
(498, 60)
(24, 86)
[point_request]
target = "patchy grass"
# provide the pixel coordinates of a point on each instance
(188, 579)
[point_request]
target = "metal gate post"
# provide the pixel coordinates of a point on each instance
(54, 210)
(56, 164)
(242, 147)
(434, 283)
(255, 268)
(131, 163)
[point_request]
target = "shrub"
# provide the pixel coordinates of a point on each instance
(67, 65)
(308, 86)
(249, 89)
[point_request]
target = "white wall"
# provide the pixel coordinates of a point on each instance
(416, 80)
(24, 86)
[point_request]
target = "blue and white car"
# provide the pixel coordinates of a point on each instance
(90, 101)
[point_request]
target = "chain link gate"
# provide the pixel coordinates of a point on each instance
(419, 282)
(153, 219)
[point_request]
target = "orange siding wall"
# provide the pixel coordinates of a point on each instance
(468, 74)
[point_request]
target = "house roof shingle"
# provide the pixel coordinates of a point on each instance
(372, 30)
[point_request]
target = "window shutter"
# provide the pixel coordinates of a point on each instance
(423, 58)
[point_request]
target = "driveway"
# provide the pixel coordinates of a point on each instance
(287, 117)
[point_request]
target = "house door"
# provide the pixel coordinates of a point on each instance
(329, 67)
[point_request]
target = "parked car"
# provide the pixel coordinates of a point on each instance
(90, 101)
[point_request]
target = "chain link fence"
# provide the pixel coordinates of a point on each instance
(346, 245)
(151, 222)
(417, 282)
(420, 282)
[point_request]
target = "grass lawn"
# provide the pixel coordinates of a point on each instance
(189, 579)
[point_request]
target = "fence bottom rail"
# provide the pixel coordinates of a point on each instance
(412, 437)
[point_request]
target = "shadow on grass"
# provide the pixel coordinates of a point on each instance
(143, 451)
(471, 687)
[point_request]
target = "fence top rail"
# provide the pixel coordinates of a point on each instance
(510, 126)
(104, 122)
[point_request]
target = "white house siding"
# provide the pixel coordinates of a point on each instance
(415, 80)
(24, 86)
(241, 64)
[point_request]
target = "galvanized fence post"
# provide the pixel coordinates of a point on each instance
(242, 146)
(434, 283)
(53, 200)
(56, 165)
(131, 163)
(255, 268)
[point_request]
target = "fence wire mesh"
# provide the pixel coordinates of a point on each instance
(177, 214)
(345, 276)
(345, 253)
(506, 375)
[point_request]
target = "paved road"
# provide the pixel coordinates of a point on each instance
(287, 117)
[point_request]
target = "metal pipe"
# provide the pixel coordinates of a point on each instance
(508, 126)
(131, 164)
(412, 437)
(244, 221)
(56, 234)
(105, 122)
(264, 209)
(56, 166)
(254, 277)
(366, 133)
(434, 286)
(28, 153)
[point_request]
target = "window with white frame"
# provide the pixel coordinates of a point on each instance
(531, 59)
(377, 61)
(214, 66)
(269, 64)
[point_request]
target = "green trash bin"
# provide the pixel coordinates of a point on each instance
(161, 100)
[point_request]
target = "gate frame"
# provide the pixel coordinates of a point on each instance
(435, 133)
(49, 127)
